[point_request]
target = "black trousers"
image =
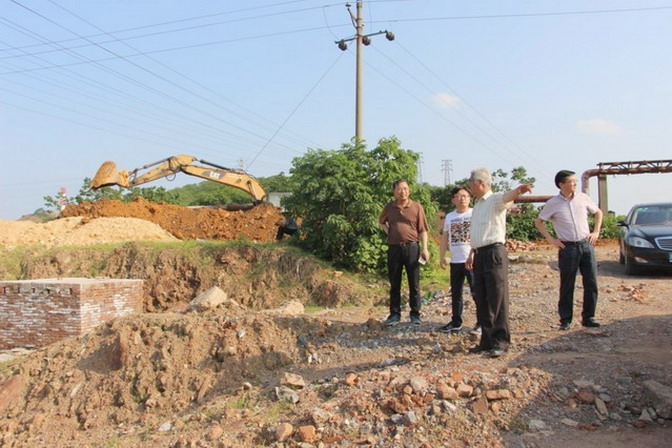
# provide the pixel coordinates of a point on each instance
(458, 274)
(400, 257)
(573, 258)
(491, 292)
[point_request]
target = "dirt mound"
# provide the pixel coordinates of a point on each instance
(185, 223)
(151, 366)
(79, 232)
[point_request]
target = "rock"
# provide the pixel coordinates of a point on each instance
(645, 417)
(585, 396)
(536, 425)
(410, 418)
(661, 395)
(12, 388)
(307, 433)
(464, 390)
(286, 394)
(351, 379)
(601, 407)
(397, 419)
(569, 422)
(208, 300)
(480, 406)
(446, 392)
(215, 432)
(498, 394)
(283, 431)
(419, 384)
(165, 426)
(320, 416)
(291, 308)
(292, 380)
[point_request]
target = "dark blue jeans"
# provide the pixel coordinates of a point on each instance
(573, 258)
(458, 273)
(398, 258)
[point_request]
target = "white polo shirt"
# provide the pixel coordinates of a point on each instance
(488, 220)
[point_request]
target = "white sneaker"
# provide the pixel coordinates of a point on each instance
(476, 330)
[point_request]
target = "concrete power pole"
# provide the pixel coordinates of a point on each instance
(362, 39)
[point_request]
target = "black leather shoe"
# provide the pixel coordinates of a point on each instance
(590, 323)
(476, 350)
(496, 353)
(564, 326)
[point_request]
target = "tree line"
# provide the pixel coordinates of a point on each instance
(338, 196)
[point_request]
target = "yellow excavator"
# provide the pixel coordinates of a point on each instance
(108, 175)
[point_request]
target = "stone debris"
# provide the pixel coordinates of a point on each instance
(661, 396)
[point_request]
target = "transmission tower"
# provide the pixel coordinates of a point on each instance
(419, 167)
(447, 168)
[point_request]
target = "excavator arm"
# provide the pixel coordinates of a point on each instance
(108, 175)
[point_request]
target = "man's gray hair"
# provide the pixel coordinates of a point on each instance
(482, 174)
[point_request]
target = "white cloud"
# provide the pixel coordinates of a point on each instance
(598, 126)
(446, 100)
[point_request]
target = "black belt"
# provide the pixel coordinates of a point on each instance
(404, 244)
(575, 243)
(484, 248)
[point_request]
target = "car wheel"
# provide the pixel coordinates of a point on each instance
(630, 268)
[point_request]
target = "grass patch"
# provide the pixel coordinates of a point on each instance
(277, 411)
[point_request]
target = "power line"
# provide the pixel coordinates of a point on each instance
(143, 85)
(297, 107)
(535, 14)
(472, 107)
(169, 68)
(178, 21)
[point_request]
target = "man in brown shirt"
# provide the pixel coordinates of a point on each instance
(405, 224)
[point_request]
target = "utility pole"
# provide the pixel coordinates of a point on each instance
(447, 167)
(362, 39)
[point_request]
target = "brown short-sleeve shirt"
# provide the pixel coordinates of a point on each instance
(405, 223)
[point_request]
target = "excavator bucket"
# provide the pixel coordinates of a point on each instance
(106, 175)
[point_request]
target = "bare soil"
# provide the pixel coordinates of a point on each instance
(172, 378)
(185, 223)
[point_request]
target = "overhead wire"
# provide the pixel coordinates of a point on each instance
(319, 81)
(441, 116)
(165, 66)
(464, 100)
(536, 14)
(158, 33)
(150, 88)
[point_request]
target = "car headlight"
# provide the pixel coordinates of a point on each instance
(636, 241)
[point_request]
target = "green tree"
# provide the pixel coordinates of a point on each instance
(340, 194)
(279, 183)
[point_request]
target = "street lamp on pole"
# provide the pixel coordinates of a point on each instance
(362, 39)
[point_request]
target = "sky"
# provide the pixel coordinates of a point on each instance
(542, 84)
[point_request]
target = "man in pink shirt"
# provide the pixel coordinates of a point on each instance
(568, 212)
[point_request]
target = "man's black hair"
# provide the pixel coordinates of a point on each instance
(397, 182)
(561, 176)
(456, 190)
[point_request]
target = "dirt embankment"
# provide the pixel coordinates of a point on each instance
(256, 277)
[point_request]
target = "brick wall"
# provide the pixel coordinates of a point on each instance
(34, 313)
